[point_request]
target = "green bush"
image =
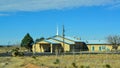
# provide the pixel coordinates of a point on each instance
(107, 66)
(87, 66)
(34, 57)
(74, 65)
(16, 52)
(57, 61)
(82, 66)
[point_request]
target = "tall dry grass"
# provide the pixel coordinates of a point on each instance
(82, 60)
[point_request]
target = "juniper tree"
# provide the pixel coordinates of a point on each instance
(27, 42)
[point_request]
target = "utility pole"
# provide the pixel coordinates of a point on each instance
(63, 39)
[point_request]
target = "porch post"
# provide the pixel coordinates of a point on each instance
(40, 46)
(51, 48)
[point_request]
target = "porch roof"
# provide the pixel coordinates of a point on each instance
(52, 41)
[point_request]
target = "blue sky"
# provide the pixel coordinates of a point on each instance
(88, 19)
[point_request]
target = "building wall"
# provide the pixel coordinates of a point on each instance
(92, 47)
(99, 47)
(67, 47)
(36, 48)
(118, 47)
(42, 47)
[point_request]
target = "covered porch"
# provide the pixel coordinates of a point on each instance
(47, 47)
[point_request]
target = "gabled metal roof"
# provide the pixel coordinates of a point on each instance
(65, 40)
(73, 39)
(60, 39)
(57, 39)
(52, 41)
(95, 41)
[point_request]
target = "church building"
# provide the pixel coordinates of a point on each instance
(60, 44)
(57, 42)
(69, 44)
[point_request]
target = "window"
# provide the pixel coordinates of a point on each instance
(93, 48)
(103, 47)
(108, 49)
(100, 48)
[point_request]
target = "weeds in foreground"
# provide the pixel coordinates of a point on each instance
(74, 65)
(34, 57)
(16, 52)
(107, 66)
(57, 61)
(82, 66)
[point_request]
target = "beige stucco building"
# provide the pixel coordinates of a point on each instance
(54, 43)
(98, 45)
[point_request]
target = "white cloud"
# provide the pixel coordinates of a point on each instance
(116, 4)
(4, 14)
(37, 5)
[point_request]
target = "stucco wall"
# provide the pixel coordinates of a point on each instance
(99, 47)
(36, 48)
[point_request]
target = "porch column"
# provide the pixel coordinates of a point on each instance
(40, 46)
(51, 48)
(34, 48)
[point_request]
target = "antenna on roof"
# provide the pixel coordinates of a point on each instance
(63, 33)
(57, 31)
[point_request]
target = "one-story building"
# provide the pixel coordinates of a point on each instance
(98, 45)
(57, 42)
(70, 44)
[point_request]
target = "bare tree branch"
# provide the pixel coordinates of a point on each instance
(114, 40)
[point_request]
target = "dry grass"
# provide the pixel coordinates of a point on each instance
(92, 61)
(8, 49)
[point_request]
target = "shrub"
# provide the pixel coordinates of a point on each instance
(81, 66)
(34, 57)
(42, 65)
(16, 52)
(87, 66)
(74, 65)
(57, 61)
(107, 66)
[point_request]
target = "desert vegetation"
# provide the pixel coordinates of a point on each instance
(62, 61)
